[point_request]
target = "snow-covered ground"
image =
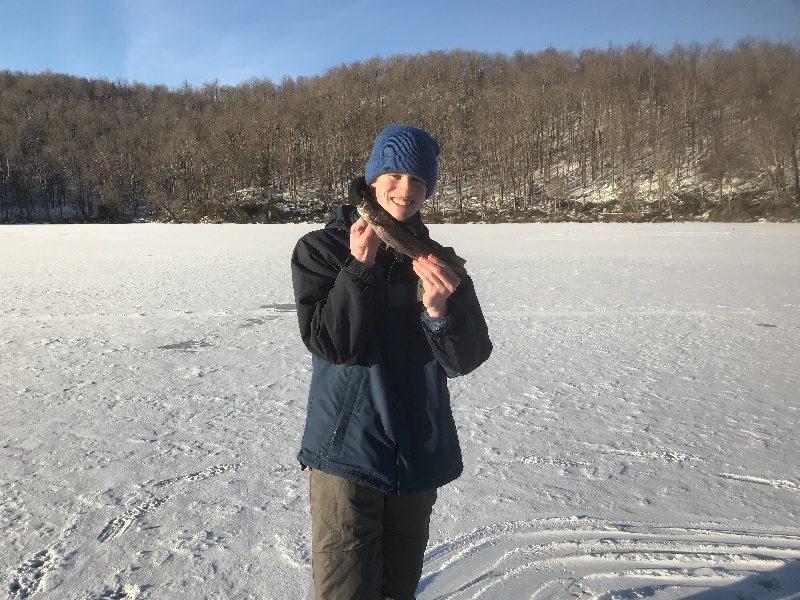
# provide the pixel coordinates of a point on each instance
(634, 434)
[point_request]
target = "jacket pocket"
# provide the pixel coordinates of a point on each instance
(345, 405)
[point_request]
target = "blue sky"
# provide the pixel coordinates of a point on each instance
(197, 41)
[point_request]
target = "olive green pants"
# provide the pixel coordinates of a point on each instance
(366, 545)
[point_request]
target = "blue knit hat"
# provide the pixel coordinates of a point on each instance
(404, 149)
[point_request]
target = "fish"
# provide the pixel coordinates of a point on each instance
(398, 235)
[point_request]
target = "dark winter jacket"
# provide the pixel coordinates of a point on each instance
(379, 408)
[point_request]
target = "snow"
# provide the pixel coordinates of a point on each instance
(634, 433)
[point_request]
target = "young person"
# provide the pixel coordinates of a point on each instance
(385, 332)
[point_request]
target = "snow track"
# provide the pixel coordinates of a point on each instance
(592, 558)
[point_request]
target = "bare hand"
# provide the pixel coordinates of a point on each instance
(364, 243)
(438, 283)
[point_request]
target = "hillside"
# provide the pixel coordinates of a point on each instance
(623, 134)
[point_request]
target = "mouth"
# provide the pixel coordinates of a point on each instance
(400, 202)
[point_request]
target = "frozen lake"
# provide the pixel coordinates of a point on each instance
(633, 435)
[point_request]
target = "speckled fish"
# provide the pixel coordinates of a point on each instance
(400, 236)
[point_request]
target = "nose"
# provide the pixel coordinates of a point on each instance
(404, 183)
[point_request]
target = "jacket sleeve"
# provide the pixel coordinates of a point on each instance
(464, 344)
(336, 297)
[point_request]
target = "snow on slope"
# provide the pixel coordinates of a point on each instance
(633, 434)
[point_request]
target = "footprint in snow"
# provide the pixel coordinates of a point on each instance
(27, 577)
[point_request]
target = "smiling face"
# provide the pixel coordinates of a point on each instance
(399, 193)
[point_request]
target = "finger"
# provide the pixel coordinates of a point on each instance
(425, 275)
(436, 260)
(362, 229)
(434, 279)
(441, 270)
(449, 272)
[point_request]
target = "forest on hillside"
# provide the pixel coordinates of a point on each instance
(618, 134)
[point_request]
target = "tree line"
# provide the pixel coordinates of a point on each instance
(630, 132)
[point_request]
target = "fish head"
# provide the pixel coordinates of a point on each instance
(367, 210)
